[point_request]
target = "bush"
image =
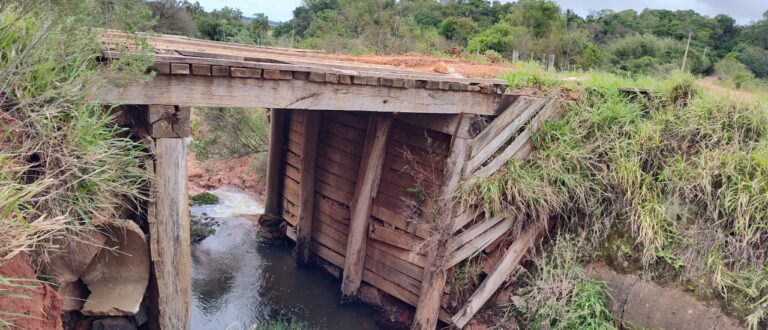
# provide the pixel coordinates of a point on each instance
(222, 133)
(756, 59)
(501, 38)
(731, 71)
(458, 29)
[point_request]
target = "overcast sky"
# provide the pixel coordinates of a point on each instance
(744, 11)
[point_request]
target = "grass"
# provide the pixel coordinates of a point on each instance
(684, 172)
(64, 166)
(558, 294)
(204, 198)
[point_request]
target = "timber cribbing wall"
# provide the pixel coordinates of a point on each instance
(413, 165)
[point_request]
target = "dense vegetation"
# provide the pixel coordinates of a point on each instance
(672, 185)
(628, 42)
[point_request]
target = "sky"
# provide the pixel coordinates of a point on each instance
(744, 11)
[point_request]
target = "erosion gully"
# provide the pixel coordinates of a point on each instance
(239, 282)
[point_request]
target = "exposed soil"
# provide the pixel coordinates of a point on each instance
(38, 302)
(427, 63)
(710, 83)
(213, 174)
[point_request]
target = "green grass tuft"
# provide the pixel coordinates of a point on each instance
(204, 198)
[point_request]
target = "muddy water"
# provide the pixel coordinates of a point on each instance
(238, 282)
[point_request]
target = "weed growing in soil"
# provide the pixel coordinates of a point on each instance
(685, 173)
(559, 295)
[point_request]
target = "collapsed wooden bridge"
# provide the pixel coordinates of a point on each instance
(352, 149)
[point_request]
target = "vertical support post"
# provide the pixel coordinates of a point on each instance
(551, 64)
(367, 185)
(272, 220)
(435, 274)
(307, 186)
(169, 217)
(515, 56)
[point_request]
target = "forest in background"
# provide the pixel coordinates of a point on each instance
(627, 42)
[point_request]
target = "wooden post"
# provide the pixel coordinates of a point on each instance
(435, 273)
(307, 186)
(687, 45)
(551, 64)
(515, 56)
(277, 142)
(169, 217)
(362, 201)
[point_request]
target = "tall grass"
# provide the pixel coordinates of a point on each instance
(64, 166)
(685, 173)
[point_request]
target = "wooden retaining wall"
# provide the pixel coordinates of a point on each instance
(414, 161)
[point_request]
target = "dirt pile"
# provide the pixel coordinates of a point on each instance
(41, 309)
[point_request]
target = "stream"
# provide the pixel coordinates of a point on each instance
(239, 283)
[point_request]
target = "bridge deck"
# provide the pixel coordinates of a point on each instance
(208, 73)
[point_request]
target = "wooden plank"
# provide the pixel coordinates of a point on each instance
(328, 254)
(338, 155)
(446, 124)
(480, 242)
(398, 292)
(495, 279)
(275, 157)
(510, 113)
(180, 69)
(307, 187)
(516, 148)
(201, 69)
(334, 193)
(468, 235)
(402, 254)
(435, 273)
(341, 183)
(385, 271)
(394, 237)
(398, 220)
(169, 235)
(203, 91)
(352, 119)
(403, 266)
(354, 148)
(483, 150)
(365, 192)
(245, 73)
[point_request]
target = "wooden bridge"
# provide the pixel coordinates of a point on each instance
(352, 147)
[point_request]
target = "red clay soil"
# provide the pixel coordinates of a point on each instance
(427, 63)
(42, 308)
(212, 174)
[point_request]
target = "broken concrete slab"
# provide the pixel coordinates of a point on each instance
(118, 276)
(67, 266)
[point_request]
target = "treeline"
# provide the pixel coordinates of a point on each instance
(647, 42)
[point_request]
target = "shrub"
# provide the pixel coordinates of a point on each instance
(458, 29)
(733, 72)
(501, 38)
(229, 132)
(204, 198)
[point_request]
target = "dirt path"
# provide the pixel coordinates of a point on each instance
(710, 83)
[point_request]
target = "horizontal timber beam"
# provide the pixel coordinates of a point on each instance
(190, 90)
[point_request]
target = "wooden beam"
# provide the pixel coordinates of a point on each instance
(307, 186)
(517, 148)
(366, 187)
(501, 130)
(169, 234)
(193, 90)
(496, 278)
(468, 127)
(277, 143)
(435, 273)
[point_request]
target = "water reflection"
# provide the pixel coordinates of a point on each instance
(237, 281)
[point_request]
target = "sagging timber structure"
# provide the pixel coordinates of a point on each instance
(352, 149)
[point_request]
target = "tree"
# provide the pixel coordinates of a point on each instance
(538, 16)
(172, 18)
(260, 25)
(458, 29)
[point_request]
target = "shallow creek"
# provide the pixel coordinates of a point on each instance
(238, 282)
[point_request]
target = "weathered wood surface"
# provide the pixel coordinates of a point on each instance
(505, 127)
(365, 192)
(191, 90)
(435, 273)
(501, 273)
(518, 148)
(168, 121)
(275, 161)
(169, 233)
(311, 131)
